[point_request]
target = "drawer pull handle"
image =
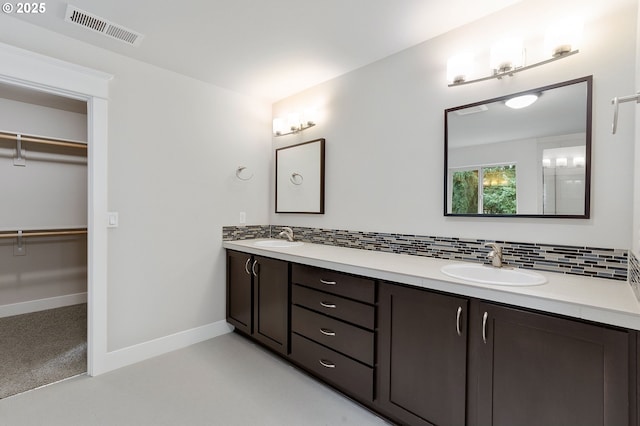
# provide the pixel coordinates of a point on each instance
(246, 266)
(328, 305)
(328, 282)
(458, 314)
(327, 332)
(326, 364)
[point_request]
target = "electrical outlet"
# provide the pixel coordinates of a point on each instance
(243, 218)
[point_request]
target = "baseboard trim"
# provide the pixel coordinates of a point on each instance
(140, 352)
(42, 304)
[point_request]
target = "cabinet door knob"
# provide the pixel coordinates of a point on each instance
(328, 282)
(327, 364)
(327, 332)
(484, 327)
(246, 266)
(327, 305)
(458, 315)
(253, 268)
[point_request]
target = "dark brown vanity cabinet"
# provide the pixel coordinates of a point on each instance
(445, 360)
(333, 328)
(422, 356)
(529, 368)
(258, 298)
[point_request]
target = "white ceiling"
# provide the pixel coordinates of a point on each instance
(268, 49)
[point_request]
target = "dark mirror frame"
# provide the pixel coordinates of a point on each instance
(588, 134)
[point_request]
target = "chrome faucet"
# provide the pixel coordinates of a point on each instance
(286, 232)
(495, 254)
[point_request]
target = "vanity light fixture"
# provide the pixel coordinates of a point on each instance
(561, 162)
(563, 37)
(523, 101)
(294, 123)
(507, 56)
(458, 67)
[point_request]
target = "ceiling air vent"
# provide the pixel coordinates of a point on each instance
(103, 26)
(472, 110)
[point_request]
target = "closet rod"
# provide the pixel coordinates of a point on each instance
(44, 141)
(43, 233)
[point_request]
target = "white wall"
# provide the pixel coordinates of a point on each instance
(383, 126)
(174, 146)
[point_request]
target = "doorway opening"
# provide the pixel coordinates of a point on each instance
(43, 238)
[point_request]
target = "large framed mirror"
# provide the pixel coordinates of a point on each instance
(505, 158)
(300, 178)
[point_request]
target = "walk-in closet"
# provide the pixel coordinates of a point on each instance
(43, 238)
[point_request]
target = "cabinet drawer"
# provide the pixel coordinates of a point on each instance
(351, 376)
(345, 338)
(335, 306)
(357, 288)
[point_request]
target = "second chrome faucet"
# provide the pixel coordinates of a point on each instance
(495, 254)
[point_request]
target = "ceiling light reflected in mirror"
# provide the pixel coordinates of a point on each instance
(520, 102)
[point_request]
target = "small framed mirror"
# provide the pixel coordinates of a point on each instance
(507, 159)
(300, 178)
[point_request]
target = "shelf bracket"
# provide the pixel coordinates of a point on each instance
(19, 160)
(19, 248)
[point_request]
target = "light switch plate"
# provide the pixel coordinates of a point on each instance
(112, 219)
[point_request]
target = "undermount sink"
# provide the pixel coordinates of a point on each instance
(485, 274)
(278, 243)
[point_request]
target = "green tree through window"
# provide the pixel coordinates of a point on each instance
(498, 186)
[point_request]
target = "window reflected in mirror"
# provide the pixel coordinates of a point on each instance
(484, 190)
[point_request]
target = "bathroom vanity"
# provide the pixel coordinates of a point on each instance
(421, 348)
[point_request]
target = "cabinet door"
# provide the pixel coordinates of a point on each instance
(536, 369)
(239, 308)
(422, 356)
(271, 303)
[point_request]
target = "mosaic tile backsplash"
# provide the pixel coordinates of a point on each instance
(589, 261)
(634, 274)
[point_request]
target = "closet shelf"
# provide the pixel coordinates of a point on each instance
(44, 141)
(47, 233)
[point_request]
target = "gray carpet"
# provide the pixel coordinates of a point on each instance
(42, 348)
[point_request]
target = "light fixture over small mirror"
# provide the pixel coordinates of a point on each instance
(294, 123)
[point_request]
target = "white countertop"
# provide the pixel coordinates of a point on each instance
(596, 299)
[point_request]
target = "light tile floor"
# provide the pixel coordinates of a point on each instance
(223, 381)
